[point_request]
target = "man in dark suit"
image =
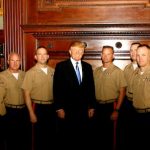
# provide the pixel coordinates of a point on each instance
(74, 100)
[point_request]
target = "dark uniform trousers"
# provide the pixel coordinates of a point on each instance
(125, 125)
(18, 129)
(141, 130)
(2, 133)
(44, 130)
(104, 126)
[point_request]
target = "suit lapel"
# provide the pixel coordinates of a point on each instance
(83, 71)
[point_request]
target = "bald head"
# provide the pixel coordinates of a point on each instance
(14, 62)
(13, 54)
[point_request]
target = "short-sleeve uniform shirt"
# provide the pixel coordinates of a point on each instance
(129, 73)
(141, 89)
(39, 84)
(108, 82)
(10, 88)
(2, 95)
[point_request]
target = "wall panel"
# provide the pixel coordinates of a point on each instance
(88, 11)
(57, 39)
(56, 23)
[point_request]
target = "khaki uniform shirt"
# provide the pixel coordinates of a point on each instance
(108, 83)
(2, 105)
(129, 73)
(39, 84)
(141, 89)
(10, 88)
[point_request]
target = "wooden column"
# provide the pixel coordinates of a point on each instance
(13, 12)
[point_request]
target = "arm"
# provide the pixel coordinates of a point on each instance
(120, 98)
(2, 105)
(28, 102)
(114, 115)
(91, 92)
(92, 101)
(58, 91)
(2, 94)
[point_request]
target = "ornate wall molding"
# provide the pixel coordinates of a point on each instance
(83, 27)
(96, 34)
(44, 5)
(96, 30)
(51, 35)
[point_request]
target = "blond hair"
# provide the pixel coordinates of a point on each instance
(78, 44)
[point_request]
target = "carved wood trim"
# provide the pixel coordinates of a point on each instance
(87, 27)
(44, 5)
(87, 32)
(96, 30)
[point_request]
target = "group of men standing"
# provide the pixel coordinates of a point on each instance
(73, 106)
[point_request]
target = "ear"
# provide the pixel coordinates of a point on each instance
(113, 55)
(70, 52)
(35, 57)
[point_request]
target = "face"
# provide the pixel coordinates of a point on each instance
(41, 56)
(76, 53)
(133, 50)
(107, 55)
(14, 62)
(143, 56)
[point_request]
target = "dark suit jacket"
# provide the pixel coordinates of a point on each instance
(68, 94)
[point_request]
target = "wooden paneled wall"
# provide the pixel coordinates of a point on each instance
(13, 18)
(56, 23)
(1, 50)
(88, 11)
(57, 39)
(1, 36)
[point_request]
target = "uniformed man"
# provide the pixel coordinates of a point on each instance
(127, 114)
(129, 70)
(2, 119)
(110, 90)
(2, 105)
(17, 120)
(37, 87)
(141, 98)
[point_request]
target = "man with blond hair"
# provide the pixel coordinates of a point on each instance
(74, 97)
(2, 118)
